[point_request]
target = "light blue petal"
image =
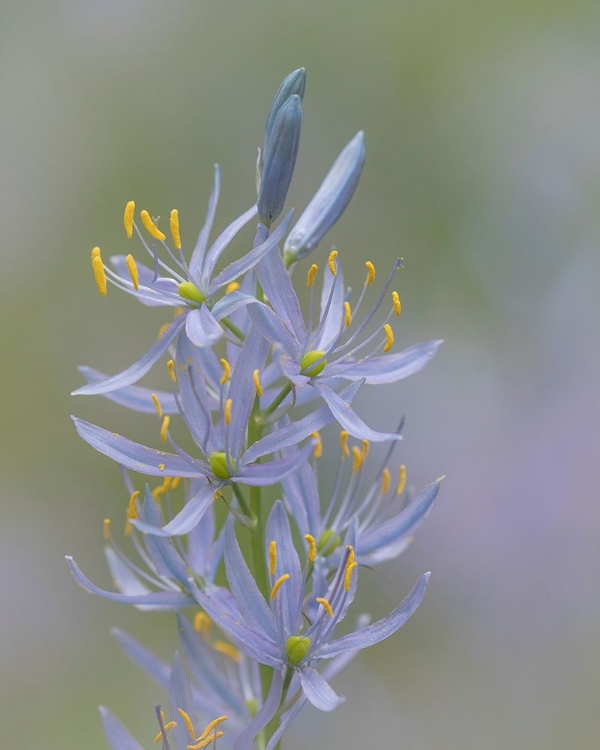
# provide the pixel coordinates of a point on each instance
(290, 595)
(286, 719)
(125, 580)
(269, 708)
(220, 245)
(391, 367)
(134, 456)
(318, 691)
(201, 328)
(183, 522)
(133, 396)
(116, 735)
(197, 258)
(152, 293)
(264, 475)
(194, 401)
(273, 329)
(301, 495)
(231, 302)
(277, 285)
(180, 696)
(379, 630)
(139, 368)
(332, 312)
(143, 658)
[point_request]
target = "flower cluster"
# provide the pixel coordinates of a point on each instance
(260, 580)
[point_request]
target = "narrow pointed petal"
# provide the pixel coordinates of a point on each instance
(194, 402)
(230, 303)
(134, 456)
(269, 708)
(286, 719)
(133, 396)
(274, 330)
(187, 518)
(348, 419)
(290, 596)
(197, 258)
(117, 736)
(201, 327)
(379, 630)
(138, 369)
(221, 243)
(277, 285)
(152, 293)
(301, 494)
(391, 367)
(338, 663)
(125, 580)
(332, 312)
(264, 475)
(318, 691)
(165, 599)
(143, 658)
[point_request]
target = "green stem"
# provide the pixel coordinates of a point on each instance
(285, 391)
(241, 500)
(233, 328)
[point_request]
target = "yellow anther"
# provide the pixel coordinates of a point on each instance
(175, 483)
(272, 557)
(312, 547)
(128, 218)
(99, 272)
(347, 314)
(206, 742)
(164, 428)
(318, 451)
(312, 274)
(370, 273)
(106, 528)
(171, 370)
(157, 405)
(133, 271)
(386, 481)
(188, 723)
(331, 262)
(174, 224)
(344, 444)
(278, 584)
(389, 337)
(226, 371)
(257, 383)
(227, 649)
(162, 489)
(161, 467)
(132, 507)
(202, 623)
(211, 727)
(365, 448)
(159, 736)
(178, 311)
(151, 227)
(351, 555)
(357, 459)
(162, 330)
(233, 286)
(227, 411)
(326, 605)
(401, 480)
(396, 302)
(350, 565)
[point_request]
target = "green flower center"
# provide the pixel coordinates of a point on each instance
(296, 648)
(188, 291)
(328, 542)
(218, 465)
(309, 359)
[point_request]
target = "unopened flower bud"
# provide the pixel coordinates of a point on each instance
(294, 83)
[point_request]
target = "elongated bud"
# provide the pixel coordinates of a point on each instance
(280, 160)
(294, 83)
(328, 203)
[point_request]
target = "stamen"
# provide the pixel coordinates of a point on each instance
(131, 508)
(159, 736)
(370, 273)
(106, 528)
(357, 459)
(188, 722)
(396, 302)
(162, 330)
(227, 649)
(350, 565)
(128, 218)
(206, 742)
(347, 314)
(389, 337)
(99, 272)
(278, 584)
(133, 271)
(326, 605)
(157, 405)
(365, 448)
(213, 725)
(312, 547)
(163, 488)
(386, 481)
(272, 557)
(202, 623)
(311, 275)
(175, 483)
(318, 452)
(227, 411)
(226, 371)
(344, 444)
(401, 480)
(171, 370)
(233, 286)
(257, 383)
(164, 428)
(151, 227)
(174, 224)
(331, 262)
(351, 554)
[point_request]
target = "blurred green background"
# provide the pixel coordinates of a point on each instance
(483, 171)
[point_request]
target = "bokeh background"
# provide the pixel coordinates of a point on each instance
(483, 171)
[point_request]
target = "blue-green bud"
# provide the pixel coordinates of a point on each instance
(294, 83)
(296, 648)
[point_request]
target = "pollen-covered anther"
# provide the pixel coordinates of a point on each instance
(163, 488)
(233, 286)
(331, 262)
(386, 481)
(222, 647)
(272, 557)
(365, 448)
(175, 483)
(257, 383)
(227, 411)
(202, 623)
(312, 547)
(318, 451)
(157, 405)
(370, 273)
(312, 274)
(308, 366)
(348, 577)
(188, 723)
(389, 337)
(347, 314)
(174, 226)
(164, 428)
(396, 302)
(207, 741)
(278, 584)
(171, 371)
(128, 218)
(133, 271)
(162, 330)
(401, 480)
(344, 444)
(357, 459)
(326, 605)
(151, 227)
(132, 506)
(99, 272)
(106, 528)
(166, 727)
(226, 371)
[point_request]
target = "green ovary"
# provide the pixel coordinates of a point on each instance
(309, 359)
(218, 465)
(296, 648)
(328, 542)
(188, 291)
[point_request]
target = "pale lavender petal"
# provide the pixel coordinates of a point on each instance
(277, 285)
(194, 401)
(391, 367)
(332, 313)
(151, 292)
(132, 396)
(269, 708)
(231, 302)
(318, 691)
(116, 735)
(264, 475)
(125, 580)
(184, 521)
(201, 328)
(286, 719)
(301, 494)
(180, 696)
(273, 329)
(290, 595)
(379, 630)
(143, 658)
(338, 663)
(220, 245)
(197, 258)
(139, 368)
